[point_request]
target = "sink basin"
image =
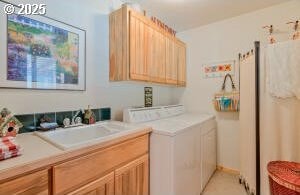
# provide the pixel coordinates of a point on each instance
(78, 136)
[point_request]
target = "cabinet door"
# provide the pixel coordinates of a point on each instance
(35, 183)
(133, 178)
(181, 57)
(102, 186)
(118, 51)
(69, 175)
(158, 68)
(171, 61)
(137, 43)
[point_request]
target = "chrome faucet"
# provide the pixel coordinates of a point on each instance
(74, 121)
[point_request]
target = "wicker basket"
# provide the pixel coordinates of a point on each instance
(284, 178)
(227, 101)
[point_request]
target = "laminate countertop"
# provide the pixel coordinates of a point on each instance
(39, 154)
(33, 148)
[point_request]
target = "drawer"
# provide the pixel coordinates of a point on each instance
(75, 173)
(35, 183)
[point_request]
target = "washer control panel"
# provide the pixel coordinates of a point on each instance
(140, 115)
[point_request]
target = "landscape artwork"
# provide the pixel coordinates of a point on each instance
(41, 53)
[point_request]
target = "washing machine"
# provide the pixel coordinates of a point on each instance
(182, 148)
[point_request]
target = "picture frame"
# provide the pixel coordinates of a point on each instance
(218, 69)
(148, 91)
(41, 53)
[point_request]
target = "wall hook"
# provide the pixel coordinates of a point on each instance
(296, 24)
(296, 35)
(271, 31)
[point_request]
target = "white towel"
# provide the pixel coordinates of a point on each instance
(283, 69)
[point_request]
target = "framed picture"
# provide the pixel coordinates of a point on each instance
(41, 53)
(214, 70)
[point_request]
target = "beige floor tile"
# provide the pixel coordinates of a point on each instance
(224, 184)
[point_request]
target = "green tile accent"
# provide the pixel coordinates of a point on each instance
(60, 116)
(28, 123)
(105, 114)
(32, 121)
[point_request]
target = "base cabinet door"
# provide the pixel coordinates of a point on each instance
(133, 178)
(102, 186)
(31, 184)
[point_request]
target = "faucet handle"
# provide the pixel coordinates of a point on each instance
(78, 120)
(67, 122)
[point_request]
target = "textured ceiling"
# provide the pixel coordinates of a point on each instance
(186, 14)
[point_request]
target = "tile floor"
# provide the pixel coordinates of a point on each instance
(224, 184)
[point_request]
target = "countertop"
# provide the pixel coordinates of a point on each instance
(33, 148)
(39, 154)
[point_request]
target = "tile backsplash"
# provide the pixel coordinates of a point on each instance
(32, 121)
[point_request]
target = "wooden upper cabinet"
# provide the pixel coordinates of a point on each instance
(141, 51)
(133, 178)
(118, 46)
(181, 57)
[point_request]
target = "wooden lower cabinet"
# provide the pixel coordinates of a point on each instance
(133, 178)
(31, 184)
(103, 186)
(70, 175)
(118, 169)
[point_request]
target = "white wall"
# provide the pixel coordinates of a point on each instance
(93, 17)
(224, 41)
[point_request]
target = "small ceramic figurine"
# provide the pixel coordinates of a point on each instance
(89, 116)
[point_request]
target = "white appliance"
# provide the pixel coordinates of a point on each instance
(182, 148)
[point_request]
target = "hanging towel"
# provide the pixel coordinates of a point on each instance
(10, 154)
(8, 144)
(283, 69)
